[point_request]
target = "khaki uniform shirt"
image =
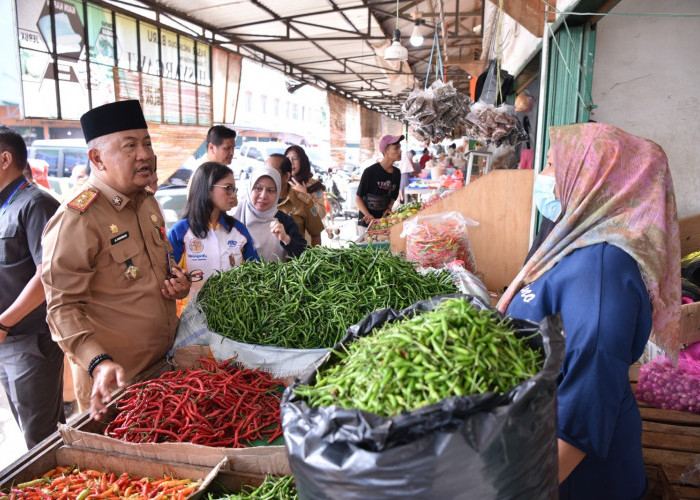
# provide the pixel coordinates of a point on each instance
(93, 306)
(304, 211)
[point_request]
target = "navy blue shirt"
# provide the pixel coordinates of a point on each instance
(297, 243)
(21, 226)
(606, 312)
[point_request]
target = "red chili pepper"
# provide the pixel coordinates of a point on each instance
(211, 406)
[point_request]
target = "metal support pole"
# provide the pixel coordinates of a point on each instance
(539, 139)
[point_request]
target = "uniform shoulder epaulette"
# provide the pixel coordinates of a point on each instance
(305, 198)
(83, 200)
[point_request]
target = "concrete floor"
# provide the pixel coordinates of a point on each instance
(12, 444)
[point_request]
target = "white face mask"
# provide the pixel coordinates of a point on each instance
(545, 201)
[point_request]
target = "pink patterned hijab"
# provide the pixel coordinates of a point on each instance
(616, 188)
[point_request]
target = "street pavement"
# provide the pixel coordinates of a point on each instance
(12, 444)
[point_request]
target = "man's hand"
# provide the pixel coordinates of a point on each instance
(105, 375)
(177, 287)
(367, 218)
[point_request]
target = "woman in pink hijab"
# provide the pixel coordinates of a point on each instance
(611, 267)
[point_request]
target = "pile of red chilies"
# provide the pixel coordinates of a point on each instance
(219, 405)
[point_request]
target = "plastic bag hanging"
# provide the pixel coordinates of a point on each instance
(491, 90)
(437, 112)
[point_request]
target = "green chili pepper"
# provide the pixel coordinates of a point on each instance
(418, 361)
(310, 301)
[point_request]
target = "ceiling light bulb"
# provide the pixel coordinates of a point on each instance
(396, 51)
(416, 37)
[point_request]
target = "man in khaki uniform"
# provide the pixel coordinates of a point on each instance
(295, 203)
(111, 306)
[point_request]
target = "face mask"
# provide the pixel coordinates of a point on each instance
(545, 201)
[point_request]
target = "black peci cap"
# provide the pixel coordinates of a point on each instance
(112, 117)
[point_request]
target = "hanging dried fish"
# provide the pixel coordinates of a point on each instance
(437, 113)
(494, 125)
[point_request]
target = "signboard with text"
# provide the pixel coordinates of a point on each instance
(76, 54)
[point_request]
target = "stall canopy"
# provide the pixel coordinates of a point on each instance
(339, 45)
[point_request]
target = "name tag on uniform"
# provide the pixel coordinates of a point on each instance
(119, 238)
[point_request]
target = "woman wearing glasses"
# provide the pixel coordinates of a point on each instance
(207, 238)
(275, 234)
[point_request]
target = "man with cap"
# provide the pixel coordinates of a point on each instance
(31, 364)
(379, 184)
(110, 282)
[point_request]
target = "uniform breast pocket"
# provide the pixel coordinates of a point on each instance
(124, 254)
(7, 243)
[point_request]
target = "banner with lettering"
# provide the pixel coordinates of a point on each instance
(100, 35)
(187, 64)
(128, 47)
(75, 54)
(203, 64)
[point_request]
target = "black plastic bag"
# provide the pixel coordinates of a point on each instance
(481, 446)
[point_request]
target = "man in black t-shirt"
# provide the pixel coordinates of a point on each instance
(379, 185)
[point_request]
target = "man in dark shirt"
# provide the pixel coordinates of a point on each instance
(379, 184)
(31, 363)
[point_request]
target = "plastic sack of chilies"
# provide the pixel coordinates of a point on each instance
(438, 239)
(662, 385)
(481, 446)
(280, 362)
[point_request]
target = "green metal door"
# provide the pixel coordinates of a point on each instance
(568, 98)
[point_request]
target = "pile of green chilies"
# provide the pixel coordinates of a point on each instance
(309, 302)
(273, 488)
(454, 350)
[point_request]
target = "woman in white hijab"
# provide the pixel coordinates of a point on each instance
(275, 234)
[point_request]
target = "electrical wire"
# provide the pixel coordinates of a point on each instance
(397, 14)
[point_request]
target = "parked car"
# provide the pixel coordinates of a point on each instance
(172, 199)
(254, 153)
(61, 155)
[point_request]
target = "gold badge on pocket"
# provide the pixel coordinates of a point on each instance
(132, 272)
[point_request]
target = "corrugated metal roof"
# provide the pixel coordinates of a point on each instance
(339, 44)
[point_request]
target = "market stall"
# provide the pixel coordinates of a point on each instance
(501, 203)
(191, 414)
(349, 300)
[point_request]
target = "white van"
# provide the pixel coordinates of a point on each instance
(62, 155)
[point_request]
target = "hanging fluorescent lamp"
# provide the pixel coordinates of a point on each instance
(416, 36)
(396, 51)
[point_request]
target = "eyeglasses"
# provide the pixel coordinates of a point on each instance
(192, 277)
(229, 188)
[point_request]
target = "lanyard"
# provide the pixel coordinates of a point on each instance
(12, 197)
